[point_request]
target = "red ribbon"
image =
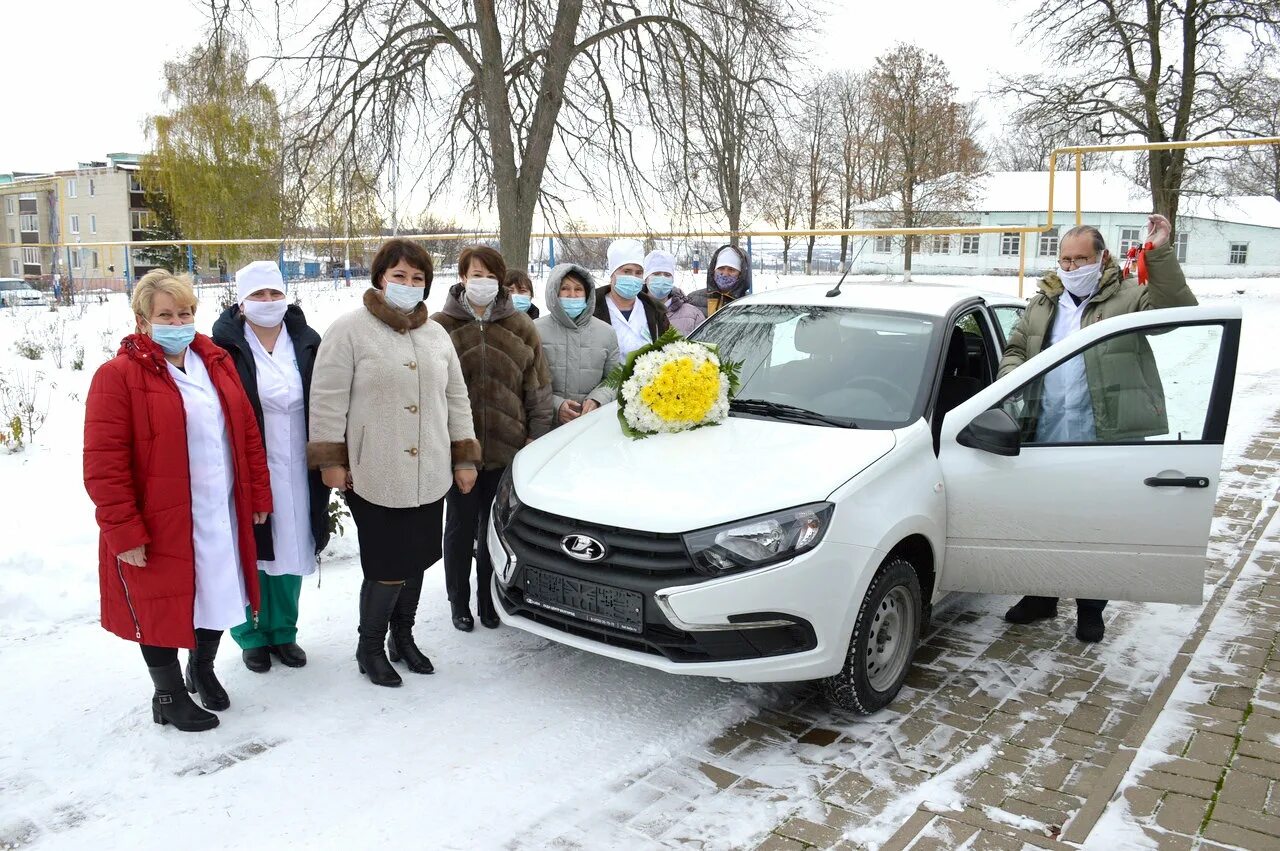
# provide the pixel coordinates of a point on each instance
(1137, 258)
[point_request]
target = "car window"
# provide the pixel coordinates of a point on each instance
(1008, 317)
(871, 367)
(13, 285)
(1141, 386)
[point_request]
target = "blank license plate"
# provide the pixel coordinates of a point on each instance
(587, 601)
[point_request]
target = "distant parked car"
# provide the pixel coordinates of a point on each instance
(15, 292)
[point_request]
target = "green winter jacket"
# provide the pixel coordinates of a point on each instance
(1128, 397)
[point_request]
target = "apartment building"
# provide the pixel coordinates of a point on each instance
(97, 202)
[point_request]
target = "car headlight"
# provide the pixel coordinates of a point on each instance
(759, 541)
(505, 501)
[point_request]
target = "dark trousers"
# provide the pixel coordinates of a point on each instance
(1082, 604)
(466, 518)
(156, 657)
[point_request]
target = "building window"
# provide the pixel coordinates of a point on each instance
(31, 256)
(140, 219)
(15, 267)
(1239, 253)
(940, 243)
(93, 189)
(74, 223)
(1180, 247)
(1049, 243)
(884, 245)
(93, 223)
(28, 223)
(93, 259)
(1010, 243)
(1129, 238)
(135, 185)
(27, 196)
(8, 205)
(13, 235)
(76, 258)
(969, 243)
(71, 188)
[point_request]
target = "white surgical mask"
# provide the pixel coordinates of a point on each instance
(265, 314)
(402, 296)
(1083, 281)
(482, 291)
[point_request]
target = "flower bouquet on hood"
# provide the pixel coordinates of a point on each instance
(673, 385)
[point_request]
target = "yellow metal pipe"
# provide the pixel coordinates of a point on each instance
(1170, 146)
(1022, 261)
(1053, 170)
(1079, 183)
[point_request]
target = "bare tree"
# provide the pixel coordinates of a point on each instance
(1256, 170)
(816, 127)
(934, 155)
(1159, 70)
(1025, 146)
(782, 188)
(496, 91)
(720, 109)
(860, 147)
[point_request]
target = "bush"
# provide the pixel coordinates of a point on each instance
(24, 406)
(77, 360)
(29, 347)
(55, 340)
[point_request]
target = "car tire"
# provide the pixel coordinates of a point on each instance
(883, 643)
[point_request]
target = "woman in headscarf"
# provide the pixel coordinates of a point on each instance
(274, 351)
(728, 279)
(581, 350)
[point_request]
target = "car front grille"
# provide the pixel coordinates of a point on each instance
(537, 536)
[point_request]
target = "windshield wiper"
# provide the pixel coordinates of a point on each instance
(781, 411)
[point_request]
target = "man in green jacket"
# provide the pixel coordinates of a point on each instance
(1111, 393)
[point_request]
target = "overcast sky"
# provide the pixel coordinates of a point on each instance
(99, 71)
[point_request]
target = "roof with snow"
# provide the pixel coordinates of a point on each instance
(1102, 192)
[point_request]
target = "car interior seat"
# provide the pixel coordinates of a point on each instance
(958, 384)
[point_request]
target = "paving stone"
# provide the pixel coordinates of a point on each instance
(1240, 837)
(1232, 697)
(847, 789)
(1192, 768)
(1081, 781)
(1090, 719)
(1177, 783)
(774, 842)
(810, 833)
(1257, 766)
(1044, 815)
(1182, 813)
(1210, 747)
(1143, 801)
(1062, 804)
(1262, 728)
(819, 736)
(985, 840)
(1166, 841)
(1033, 735)
(721, 778)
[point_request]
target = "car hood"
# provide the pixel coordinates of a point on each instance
(590, 470)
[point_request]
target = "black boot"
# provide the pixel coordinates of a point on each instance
(484, 608)
(172, 705)
(257, 659)
(462, 617)
(400, 643)
(1089, 626)
(376, 604)
(291, 655)
(1030, 609)
(200, 676)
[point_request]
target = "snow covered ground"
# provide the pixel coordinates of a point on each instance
(509, 730)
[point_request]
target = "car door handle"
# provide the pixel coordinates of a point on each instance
(1187, 482)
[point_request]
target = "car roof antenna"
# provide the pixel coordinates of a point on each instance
(835, 291)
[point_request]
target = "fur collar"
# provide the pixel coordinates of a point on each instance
(376, 303)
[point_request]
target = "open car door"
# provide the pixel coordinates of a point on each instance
(1111, 499)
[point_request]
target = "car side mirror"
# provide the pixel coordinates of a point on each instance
(992, 431)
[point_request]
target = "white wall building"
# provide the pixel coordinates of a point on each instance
(1233, 237)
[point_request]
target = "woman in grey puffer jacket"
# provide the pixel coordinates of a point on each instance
(580, 350)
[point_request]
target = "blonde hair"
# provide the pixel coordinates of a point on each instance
(162, 281)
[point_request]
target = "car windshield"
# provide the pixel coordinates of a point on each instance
(840, 366)
(14, 285)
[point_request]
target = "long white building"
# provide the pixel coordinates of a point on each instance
(1233, 237)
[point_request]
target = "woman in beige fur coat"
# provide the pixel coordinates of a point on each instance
(391, 426)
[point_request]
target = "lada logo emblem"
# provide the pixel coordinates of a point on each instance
(582, 547)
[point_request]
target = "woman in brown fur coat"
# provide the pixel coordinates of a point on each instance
(510, 389)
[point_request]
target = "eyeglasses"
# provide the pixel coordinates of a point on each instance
(1069, 263)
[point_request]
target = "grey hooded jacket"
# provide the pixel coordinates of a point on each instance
(580, 352)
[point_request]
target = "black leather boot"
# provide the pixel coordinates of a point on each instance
(376, 604)
(400, 643)
(484, 608)
(257, 659)
(290, 654)
(1030, 609)
(1089, 626)
(201, 678)
(172, 705)
(462, 619)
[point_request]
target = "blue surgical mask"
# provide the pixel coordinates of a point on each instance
(628, 286)
(573, 306)
(173, 338)
(660, 287)
(521, 302)
(402, 296)
(724, 282)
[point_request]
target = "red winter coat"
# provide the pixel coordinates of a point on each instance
(136, 473)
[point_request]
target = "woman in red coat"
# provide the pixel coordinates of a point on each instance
(174, 462)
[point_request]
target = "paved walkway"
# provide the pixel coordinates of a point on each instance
(1011, 736)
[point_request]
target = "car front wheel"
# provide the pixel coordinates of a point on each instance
(883, 642)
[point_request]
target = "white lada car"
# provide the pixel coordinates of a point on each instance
(871, 464)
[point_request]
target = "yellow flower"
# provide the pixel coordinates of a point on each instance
(681, 392)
